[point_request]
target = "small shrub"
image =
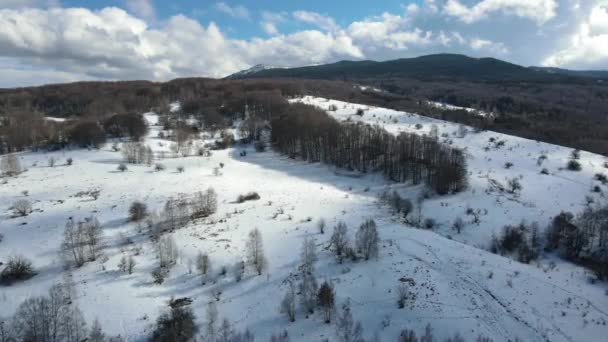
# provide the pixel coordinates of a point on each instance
(508, 165)
(176, 325)
(260, 146)
(138, 211)
(180, 169)
(122, 167)
(601, 178)
(17, 268)
(418, 126)
(22, 208)
(360, 112)
(69, 161)
(544, 171)
(51, 161)
(159, 167)
(251, 196)
(458, 224)
(574, 165)
(429, 223)
(333, 108)
(158, 275)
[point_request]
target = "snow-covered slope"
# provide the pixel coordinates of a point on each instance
(460, 288)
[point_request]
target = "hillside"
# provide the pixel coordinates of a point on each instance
(456, 284)
(450, 67)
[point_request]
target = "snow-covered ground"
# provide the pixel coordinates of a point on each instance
(460, 288)
(448, 106)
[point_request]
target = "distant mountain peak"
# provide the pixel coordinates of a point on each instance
(254, 69)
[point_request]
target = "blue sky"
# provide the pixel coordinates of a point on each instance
(44, 41)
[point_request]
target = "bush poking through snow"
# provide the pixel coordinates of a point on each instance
(250, 196)
(574, 165)
(18, 268)
(159, 167)
(180, 169)
(138, 211)
(69, 161)
(176, 325)
(600, 177)
(521, 240)
(22, 208)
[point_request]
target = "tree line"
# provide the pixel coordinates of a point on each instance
(308, 133)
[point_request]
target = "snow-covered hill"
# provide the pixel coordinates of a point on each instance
(459, 286)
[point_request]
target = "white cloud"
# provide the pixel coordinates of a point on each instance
(270, 20)
(29, 3)
(588, 46)
(142, 8)
(540, 11)
(478, 44)
(388, 31)
(233, 11)
(112, 44)
(321, 21)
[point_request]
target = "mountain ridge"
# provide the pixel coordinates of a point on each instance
(430, 67)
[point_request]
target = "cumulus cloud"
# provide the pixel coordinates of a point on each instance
(270, 20)
(236, 11)
(112, 44)
(539, 11)
(321, 21)
(588, 46)
(142, 8)
(478, 44)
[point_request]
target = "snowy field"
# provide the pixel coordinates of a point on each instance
(460, 287)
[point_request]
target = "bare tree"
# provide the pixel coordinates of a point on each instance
(288, 304)
(321, 226)
(10, 165)
(458, 224)
(167, 252)
(203, 266)
(367, 239)
(238, 270)
(255, 251)
(92, 234)
(205, 203)
(326, 299)
(131, 264)
(339, 240)
(96, 334)
(308, 285)
(225, 332)
(211, 321)
(73, 242)
(346, 328)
